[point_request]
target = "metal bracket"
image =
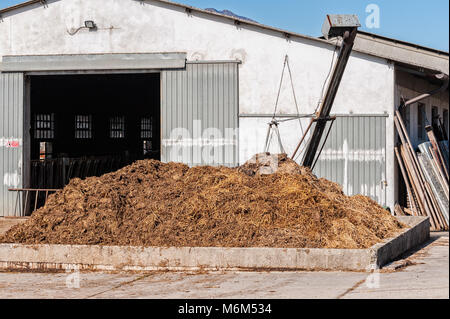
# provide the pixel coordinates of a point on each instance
(326, 118)
(274, 122)
(273, 125)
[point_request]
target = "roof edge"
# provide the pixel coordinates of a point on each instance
(242, 21)
(286, 33)
(195, 9)
(414, 45)
(21, 5)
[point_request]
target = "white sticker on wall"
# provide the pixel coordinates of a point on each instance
(11, 179)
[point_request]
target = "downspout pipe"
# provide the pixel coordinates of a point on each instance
(443, 77)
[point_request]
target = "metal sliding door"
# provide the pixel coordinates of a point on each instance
(11, 139)
(355, 156)
(199, 114)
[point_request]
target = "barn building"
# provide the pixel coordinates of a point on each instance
(87, 86)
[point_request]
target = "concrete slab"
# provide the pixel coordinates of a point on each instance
(423, 273)
(55, 285)
(113, 258)
(239, 285)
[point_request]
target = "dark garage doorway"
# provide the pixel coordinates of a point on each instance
(90, 124)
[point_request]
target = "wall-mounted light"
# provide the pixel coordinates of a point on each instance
(90, 25)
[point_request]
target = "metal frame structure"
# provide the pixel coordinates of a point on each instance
(335, 25)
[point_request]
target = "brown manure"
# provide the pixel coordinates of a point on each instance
(150, 203)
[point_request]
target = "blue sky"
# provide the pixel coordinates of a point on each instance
(417, 21)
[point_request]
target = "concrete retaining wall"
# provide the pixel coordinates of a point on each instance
(393, 248)
(113, 258)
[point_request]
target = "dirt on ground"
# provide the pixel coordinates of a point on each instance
(150, 203)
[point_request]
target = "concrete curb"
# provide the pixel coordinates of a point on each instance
(126, 258)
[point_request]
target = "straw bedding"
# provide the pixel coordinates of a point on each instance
(150, 203)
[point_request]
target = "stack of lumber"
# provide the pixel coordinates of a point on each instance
(425, 175)
(433, 175)
(444, 149)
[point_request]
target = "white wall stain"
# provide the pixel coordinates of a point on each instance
(11, 179)
(345, 181)
(239, 54)
(187, 142)
(356, 155)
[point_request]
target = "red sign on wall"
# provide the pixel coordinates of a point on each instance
(12, 144)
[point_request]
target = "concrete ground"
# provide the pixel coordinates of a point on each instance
(423, 273)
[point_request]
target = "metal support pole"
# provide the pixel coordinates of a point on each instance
(332, 89)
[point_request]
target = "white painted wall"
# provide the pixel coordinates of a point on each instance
(128, 26)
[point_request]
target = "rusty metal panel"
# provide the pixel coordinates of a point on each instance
(354, 156)
(11, 139)
(199, 114)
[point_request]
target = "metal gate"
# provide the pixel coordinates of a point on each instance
(355, 156)
(199, 114)
(11, 138)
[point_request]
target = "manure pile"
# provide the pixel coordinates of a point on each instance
(150, 203)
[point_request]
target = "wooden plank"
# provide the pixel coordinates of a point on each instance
(405, 178)
(408, 144)
(409, 212)
(438, 172)
(439, 159)
(416, 181)
(418, 176)
(421, 193)
(439, 217)
(398, 210)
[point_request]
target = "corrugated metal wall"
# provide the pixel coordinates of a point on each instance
(11, 139)
(199, 114)
(355, 156)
